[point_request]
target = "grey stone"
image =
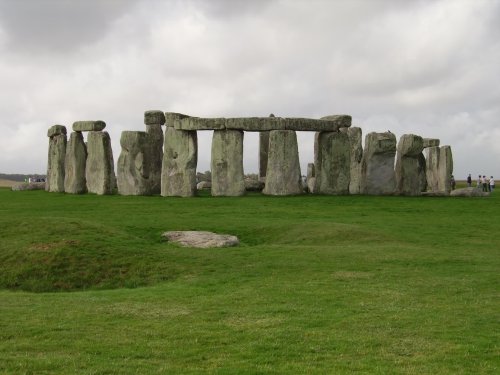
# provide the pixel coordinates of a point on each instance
(422, 172)
(155, 139)
(408, 178)
(327, 124)
(203, 185)
(469, 192)
(200, 239)
(23, 186)
(56, 158)
(431, 142)
(445, 169)
(87, 126)
(311, 177)
(255, 124)
(172, 119)
(132, 170)
(332, 163)
(263, 154)
(355, 140)
(197, 123)
(99, 169)
(283, 168)
(56, 130)
(227, 163)
(154, 118)
(76, 159)
(178, 175)
(254, 185)
(432, 168)
(377, 165)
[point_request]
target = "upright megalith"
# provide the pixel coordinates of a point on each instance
(311, 177)
(227, 163)
(408, 179)
(355, 140)
(283, 168)
(377, 164)
(439, 168)
(332, 163)
(56, 158)
(76, 160)
(154, 121)
(432, 168)
(180, 157)
(99, 170)
(422, 172)
(133, 167)
(263, 154)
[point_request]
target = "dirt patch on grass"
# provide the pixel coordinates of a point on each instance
(52, 245)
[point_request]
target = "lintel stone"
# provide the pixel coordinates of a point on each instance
(431, 142)
(154, 118)
(56, 130)
(88, 126)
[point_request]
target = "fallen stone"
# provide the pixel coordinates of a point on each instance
(24, 186)
(430, 142)
(133, 167)
(76, 160)
(201, 239)
(88, 126)
(99, 169)
(469, 192)
(154, 118)
(203, 185)
(254, 185)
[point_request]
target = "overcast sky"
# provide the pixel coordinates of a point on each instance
(430, 68)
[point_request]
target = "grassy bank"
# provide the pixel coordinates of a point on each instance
(319, 285)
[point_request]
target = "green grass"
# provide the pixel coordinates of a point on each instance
(319, 285)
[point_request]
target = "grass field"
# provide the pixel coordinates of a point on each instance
(319, 285)
(7, 183)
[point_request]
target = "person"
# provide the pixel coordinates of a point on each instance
(485, 184)
(478, 182)
(492, 184)
(453, 182)
(469, 180)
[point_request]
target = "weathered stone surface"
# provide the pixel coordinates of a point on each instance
(430, 142)
(100, 170)
(422, 172)
(408, 178)
(311, 177)
(154, 118)
(432, 168)
(197, 123)
(203, 185)
(132, 170)
(445, 169)
(56, 130)
(201, 239)
(255, 124)
(155, 135)
(178, 175)
(87, 126)
(283, 168)
(327, 124)
(227, 163)
(171, 119)
(332, 163)
(55, 165)
(254, 185)
(23, 186)
(469, 192)
(355, 140)
(377, 164)
(76, 160)
(263, 154)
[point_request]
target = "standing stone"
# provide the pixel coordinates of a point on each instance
(408, 179)
(76, 160)
(422, 172)
(432, 168)
(227, 163)
(154, 121)
(263, 154)
(355, 140)
(178, 175)
(283, 168)
(332, 163)
(377, 164)
(100, 171)
(133, 167)
(311, 177)
(56, 158)
(445, 169)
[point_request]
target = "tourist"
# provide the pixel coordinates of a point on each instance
(479, 182)
(485, 184)
(492, 184)
(453, 182)
(469, 180)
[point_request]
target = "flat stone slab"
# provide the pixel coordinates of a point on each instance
(258, 124)
(469, 192)
(154, 118)
(88, 126)
(430, 142)
(201, 239)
